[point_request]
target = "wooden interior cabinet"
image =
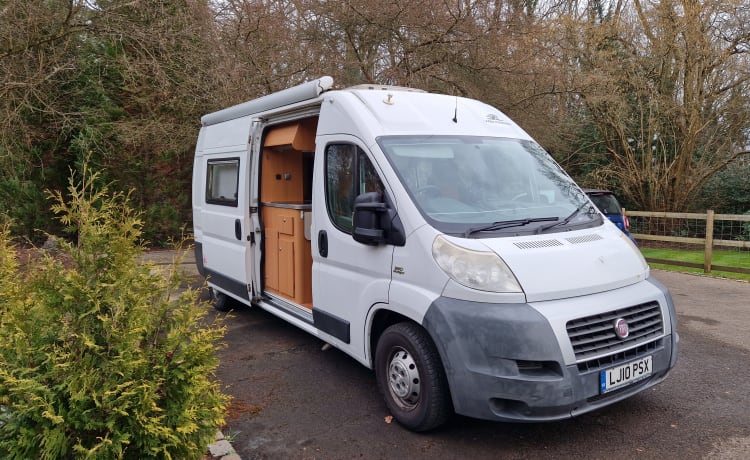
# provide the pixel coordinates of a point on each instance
(288, 260)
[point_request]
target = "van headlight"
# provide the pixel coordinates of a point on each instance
(637, 252)
(483, 270)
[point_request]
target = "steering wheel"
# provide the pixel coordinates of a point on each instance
(426, 190)
(519, 196)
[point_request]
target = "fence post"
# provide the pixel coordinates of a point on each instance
(709, 248)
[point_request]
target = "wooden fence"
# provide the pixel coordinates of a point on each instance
(703, 234)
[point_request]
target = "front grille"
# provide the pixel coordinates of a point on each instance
(620, 357)
(593, 337)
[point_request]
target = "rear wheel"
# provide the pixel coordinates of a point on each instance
(221, 301)
(411, 376)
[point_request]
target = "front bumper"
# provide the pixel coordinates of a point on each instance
(505, 362)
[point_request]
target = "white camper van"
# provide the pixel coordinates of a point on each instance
(430, 238)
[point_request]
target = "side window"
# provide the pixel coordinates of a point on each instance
(368, 177)
(348, 173)
(222, 180)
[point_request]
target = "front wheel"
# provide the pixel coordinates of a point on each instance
(411, 377)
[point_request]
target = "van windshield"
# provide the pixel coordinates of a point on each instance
(487, 186)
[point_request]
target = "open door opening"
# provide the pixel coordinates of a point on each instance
(286, 211)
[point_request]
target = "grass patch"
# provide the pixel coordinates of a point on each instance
(727, 258)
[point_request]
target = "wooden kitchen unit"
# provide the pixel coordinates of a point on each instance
(288, 260)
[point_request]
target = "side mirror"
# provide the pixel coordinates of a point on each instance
(368, 208)
(376, 221)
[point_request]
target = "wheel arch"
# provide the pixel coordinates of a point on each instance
(380, 320)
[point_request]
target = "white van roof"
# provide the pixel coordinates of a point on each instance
(387, 109)
(392, 111)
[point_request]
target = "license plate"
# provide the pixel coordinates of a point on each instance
(616, 377)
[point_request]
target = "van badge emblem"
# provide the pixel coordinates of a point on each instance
(494, 119)
(622, 330)
(398, 270)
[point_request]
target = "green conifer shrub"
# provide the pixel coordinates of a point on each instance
(102, 356)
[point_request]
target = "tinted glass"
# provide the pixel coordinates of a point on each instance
(221, 181)
(348, 173)
(607, 203)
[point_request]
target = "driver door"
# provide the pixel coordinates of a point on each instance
(348, 277)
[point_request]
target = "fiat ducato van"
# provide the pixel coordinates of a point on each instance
(434, 241)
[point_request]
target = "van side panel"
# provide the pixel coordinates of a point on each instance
(221, 228)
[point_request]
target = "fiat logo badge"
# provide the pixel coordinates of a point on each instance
(621, 328)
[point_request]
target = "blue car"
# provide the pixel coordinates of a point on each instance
(610, 207)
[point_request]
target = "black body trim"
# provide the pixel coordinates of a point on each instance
(233, 286)
(198, 251)
(331, 324)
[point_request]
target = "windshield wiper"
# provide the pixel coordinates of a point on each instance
(506, 224)
(565, 221)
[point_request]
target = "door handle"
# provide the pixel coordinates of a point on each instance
(323, 243)
(238, 229)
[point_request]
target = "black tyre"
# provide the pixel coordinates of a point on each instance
(411, 376)
(221, 301)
